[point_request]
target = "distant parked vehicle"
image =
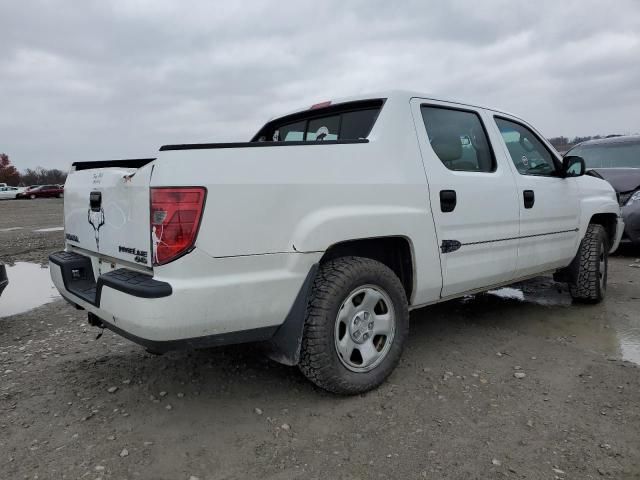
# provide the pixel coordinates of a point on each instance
(42, 191)
(9, 193)
(617, 160)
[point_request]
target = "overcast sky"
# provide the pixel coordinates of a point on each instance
(90, 80)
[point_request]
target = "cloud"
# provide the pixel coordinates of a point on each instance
(92, 80)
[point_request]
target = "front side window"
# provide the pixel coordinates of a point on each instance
(458, 139)
(528, 153)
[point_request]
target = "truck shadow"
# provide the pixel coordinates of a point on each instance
(207, 400)
(538, 307)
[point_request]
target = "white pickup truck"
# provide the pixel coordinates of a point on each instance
(320, 235)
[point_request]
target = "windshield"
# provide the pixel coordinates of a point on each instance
(612, 155)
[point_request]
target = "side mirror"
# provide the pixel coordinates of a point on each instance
(573, 166)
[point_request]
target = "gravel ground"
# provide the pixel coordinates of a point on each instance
(19, 219)
(515, 384)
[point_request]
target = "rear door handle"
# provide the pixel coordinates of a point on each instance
(529, 198)
(448, 200)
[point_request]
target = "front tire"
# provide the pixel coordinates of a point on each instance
(590, 266)
(356, 326)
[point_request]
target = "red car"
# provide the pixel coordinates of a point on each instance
(42, 191)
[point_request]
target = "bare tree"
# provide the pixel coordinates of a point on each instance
(42, 176)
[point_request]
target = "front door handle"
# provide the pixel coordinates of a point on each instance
(448, 200)
(529, 198)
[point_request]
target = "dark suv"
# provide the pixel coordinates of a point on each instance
(617, 160)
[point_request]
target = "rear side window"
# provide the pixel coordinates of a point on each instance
(326, 128)
(293, 132)
(347, 121)
(358, 124)
(458, 139)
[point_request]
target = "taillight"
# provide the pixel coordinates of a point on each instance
(175, 219)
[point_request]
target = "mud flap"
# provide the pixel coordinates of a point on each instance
(284, 346)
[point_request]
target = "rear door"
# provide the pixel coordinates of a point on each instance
(106, 211)
(549, 204)
(473, 196)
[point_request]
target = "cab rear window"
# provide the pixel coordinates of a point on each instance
(345, 121)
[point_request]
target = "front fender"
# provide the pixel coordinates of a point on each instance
(598, 197)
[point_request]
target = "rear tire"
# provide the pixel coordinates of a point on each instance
(589, 268)
(356, 326)
(32, 197)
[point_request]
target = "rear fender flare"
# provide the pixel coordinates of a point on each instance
(323, 228)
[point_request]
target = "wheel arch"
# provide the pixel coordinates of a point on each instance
(599, 206)
(609, 221)
(394, 251)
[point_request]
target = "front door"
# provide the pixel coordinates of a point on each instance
(549, 204)
(473, 196)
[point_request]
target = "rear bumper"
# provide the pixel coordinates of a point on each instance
(78, 279)
(194, 302)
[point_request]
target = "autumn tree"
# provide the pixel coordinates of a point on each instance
(8, 173)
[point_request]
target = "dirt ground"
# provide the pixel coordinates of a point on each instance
(74, 406)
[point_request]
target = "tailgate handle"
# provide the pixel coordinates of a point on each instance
(95, 201)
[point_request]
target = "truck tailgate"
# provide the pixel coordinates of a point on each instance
(106, 210)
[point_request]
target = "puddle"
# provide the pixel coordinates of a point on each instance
(50, 229)
(29, 287)
(544, 308)
(630, 344)
(538, 291)
(508, 292)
